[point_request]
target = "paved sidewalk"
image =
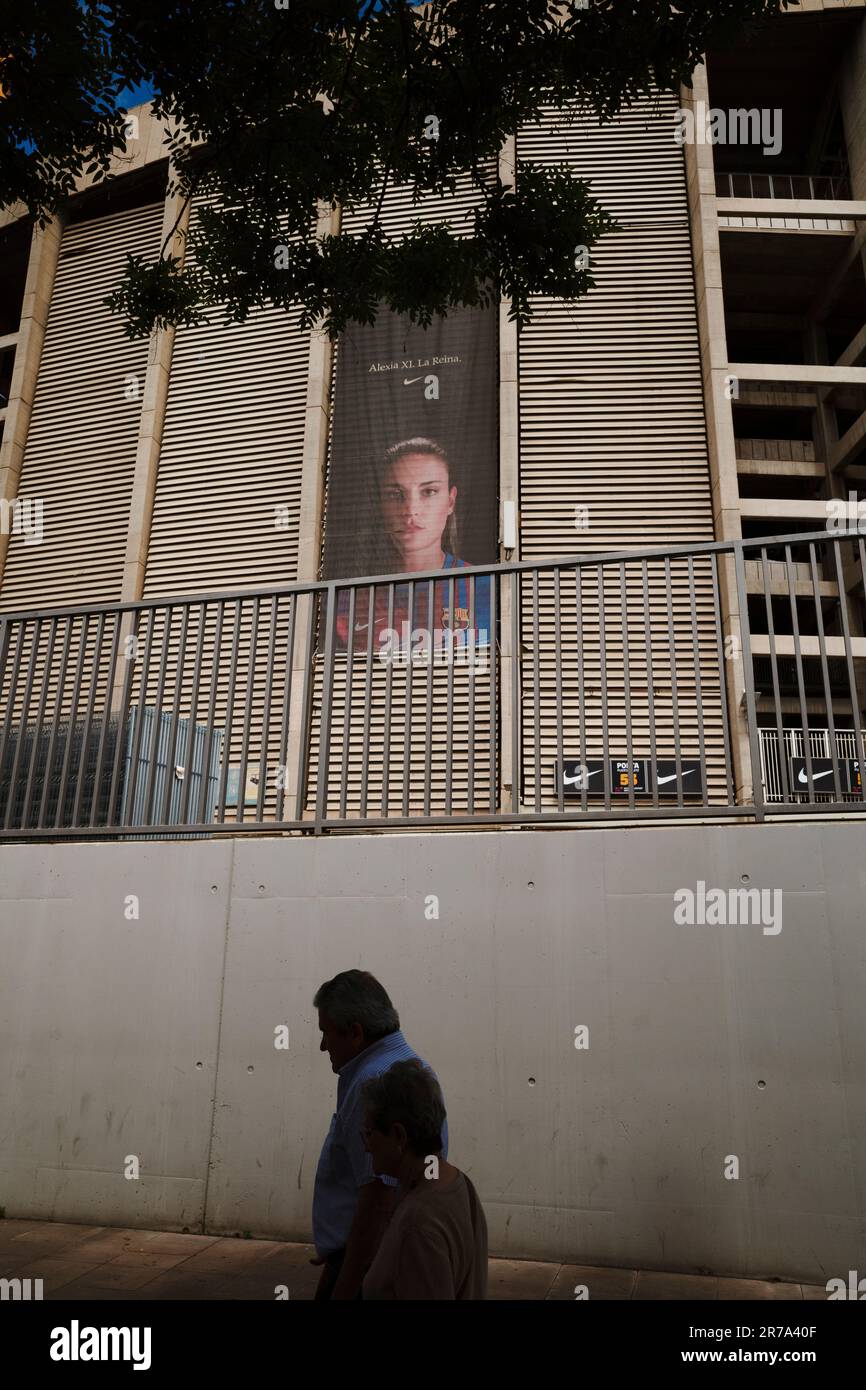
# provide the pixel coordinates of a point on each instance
(103, 1262)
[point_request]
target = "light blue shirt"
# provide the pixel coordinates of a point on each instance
(344, 1164)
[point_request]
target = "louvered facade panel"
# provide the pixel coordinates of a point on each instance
(228, 493)
(613, 457)
(81, 445)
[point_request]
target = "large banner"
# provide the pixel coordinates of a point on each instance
(413, 474)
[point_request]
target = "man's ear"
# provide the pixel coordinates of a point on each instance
(400, 1133)
(357, 1034)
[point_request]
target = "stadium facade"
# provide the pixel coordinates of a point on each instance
(673, 650)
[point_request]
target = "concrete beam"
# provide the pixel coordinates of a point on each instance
(850, 445)
(854, 351)
(826, 297)
(809, 646)
(778, 400)
(854, 210)
(780, 468)
(778, 580)
(810, 373)
(784, 508)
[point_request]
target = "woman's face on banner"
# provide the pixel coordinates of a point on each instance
(416, 503)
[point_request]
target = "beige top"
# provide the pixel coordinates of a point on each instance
(435, 1246)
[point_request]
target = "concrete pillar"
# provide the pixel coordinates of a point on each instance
(38, 289)
(706, 255)
(509, 491)
(175, 221)
(315, 455)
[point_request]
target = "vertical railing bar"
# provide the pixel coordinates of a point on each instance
(650, 690)
(347, 708)
(605, 732)
(536, 691)
(106, 715)
(307, 706)
(73, 715)
(283, 765)
(825, 670)
(431, 671)
(171, 750)
(88, 720)
(20, 625)
(720, 657)
(861, 550)
(675, 703)
(191, 740)
(220, 814)
(266, 708)
(516, 708)
(449, 722)
(849, 659)
(114, 810)
(798, 658)
(386, 723)
(470, 734)
(4, 647)
(211, 719)
(626, 683)
(699, 692)
(139, 723)
(581, 686)
(323, 770)
(248, 710)
(407, 704)
(25, 711)
(368, 701)
(40, 716)
(777, 699)
(58, 705)
(557, 641)
(157, 718)
(748, 676)
(493, 658)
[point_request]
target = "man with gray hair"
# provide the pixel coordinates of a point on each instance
(351, 1207)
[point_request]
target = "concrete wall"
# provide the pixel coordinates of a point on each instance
(155, 1037)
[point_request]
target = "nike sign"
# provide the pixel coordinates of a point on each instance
(688, 772)
(804, 780)
(577, 779)
(410, 380)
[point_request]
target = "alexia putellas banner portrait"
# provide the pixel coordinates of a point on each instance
(412, 478)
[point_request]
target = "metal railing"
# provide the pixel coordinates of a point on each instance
(583, 689)
(800, 187)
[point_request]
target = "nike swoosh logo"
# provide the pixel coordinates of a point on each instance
(688, 772)
(576, 780)
(409, 381)
(804, 780)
